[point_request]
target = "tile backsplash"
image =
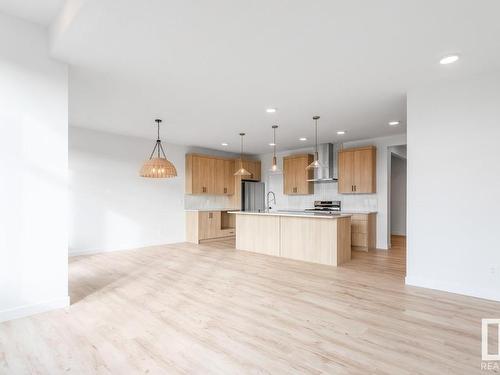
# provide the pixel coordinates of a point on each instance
(274, 182)
(322, 191)
(203, 202)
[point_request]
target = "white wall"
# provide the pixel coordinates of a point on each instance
(112, 207)
(33, 166)
(398, 196)
(454, 185)
(329, 191)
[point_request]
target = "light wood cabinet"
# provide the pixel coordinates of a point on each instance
(357, 170)
(200, 171)
(295, 175)
(312, 239)
(224, 177)
(209, 175)
(252, 166)
(363, 231)
(208, 225)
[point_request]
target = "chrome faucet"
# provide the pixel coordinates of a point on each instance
(269, 193)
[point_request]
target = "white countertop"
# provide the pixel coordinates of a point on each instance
(293, 214)
(209, 209)
(366, 212)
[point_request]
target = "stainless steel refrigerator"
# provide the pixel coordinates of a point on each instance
(252, 196)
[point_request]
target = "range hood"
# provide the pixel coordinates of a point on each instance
(327, 156)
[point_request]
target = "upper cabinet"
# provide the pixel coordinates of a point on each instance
(357, 170)
(209, 175)
(295, 175)
(252, 166)
(224, 177)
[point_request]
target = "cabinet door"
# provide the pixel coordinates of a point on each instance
(364, 171)
(249, 165)
(252, 166)
(198, 175)
(288, 176)
(346, 172)
(302, 186)
(219, 177)
(256, 170)
(207, 175)
(209, 224)
(228, 188)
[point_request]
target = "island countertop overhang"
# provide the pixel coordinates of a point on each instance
(292, 214)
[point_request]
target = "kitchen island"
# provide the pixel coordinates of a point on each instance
(311, 237)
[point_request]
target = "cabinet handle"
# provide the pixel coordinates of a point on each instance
(225, 190)
(354, 187)
(210, 215)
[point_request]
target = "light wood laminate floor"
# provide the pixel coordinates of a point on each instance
(208, 309)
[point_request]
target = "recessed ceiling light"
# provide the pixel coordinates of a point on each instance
(394, 123)
(224, 144)
(449, 59)
(271, 110)
(341, 132)
(272, 144)
(302, 139)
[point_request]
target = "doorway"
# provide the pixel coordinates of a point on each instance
(398, 197)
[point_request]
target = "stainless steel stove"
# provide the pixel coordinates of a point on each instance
(325, 207)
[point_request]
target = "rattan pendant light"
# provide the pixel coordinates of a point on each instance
(158, 166)
(274, 166)
(315, 164)
(242, 171)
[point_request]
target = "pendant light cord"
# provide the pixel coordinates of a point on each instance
(158, 146)
(274, 141)
(316, 118)
(316, 134)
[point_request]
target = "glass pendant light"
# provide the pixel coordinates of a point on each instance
(274, 167)
(315, 164)
(242, 171)
(158, 166)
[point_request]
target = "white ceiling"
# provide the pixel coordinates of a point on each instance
(42, 12)
(211, 68)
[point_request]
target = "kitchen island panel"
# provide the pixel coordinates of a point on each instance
(324, 239)
(259, 234)
(311, 240)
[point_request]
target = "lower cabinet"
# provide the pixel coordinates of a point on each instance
(209, 225)
(363, 231)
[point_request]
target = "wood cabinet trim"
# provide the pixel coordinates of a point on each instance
(297, 156)
(210, 156)
(352, 149)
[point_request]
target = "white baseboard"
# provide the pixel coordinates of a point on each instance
(74, 253)
(485, 293)
(91, 252)
(27, 310)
